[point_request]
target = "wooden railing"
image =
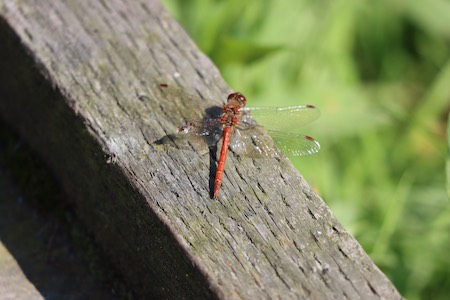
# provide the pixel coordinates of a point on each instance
(79, 81)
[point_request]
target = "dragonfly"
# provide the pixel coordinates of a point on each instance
(242, 129)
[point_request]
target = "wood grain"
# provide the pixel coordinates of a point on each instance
(79, 80)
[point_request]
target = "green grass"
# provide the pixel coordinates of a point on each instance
(380, 73)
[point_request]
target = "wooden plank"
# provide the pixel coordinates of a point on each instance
(79, 80)
(37, 260)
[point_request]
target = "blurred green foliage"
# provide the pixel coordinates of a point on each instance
(380, 73)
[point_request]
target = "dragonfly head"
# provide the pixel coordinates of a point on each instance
(236, 100)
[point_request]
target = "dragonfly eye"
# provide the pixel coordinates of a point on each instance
(239, 97)
(231, 96)
(242, 99)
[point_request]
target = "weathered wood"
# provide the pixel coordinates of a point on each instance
(79, 81)
(36, 259)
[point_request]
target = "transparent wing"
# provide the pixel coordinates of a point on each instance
(192, 106)
(196, 130)
(283, 119)
(208, 129)
(250, 139)
(254, 142)
(295, 144)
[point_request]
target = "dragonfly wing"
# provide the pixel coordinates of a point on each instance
(208, 129)
(283, 119)
(254, 142)
(293, 144)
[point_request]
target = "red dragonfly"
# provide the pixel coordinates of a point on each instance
(248, 137)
